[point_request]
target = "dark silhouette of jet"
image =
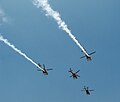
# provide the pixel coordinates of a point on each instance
(44, 69)
(86, 89)
(88, 57)
(74, 74)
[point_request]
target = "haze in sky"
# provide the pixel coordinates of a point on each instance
(2, 16)
(95, 24)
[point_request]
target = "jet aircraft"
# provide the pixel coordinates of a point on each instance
(74, 74)
(44, 69)
(88, 57)
(86, 89)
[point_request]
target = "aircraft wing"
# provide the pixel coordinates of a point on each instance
(91, 90)
(77, 71)
(92, 53)
(82, 57)
(78, 75)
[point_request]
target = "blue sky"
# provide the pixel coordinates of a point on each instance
(94, 23)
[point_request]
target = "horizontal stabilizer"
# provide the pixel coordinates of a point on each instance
(49, 69)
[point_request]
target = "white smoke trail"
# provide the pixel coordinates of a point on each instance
(17, 50)
(56, 16)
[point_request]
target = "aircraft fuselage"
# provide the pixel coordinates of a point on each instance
(45, 72)
(87, 92)
(74, 75)
(88, 57)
